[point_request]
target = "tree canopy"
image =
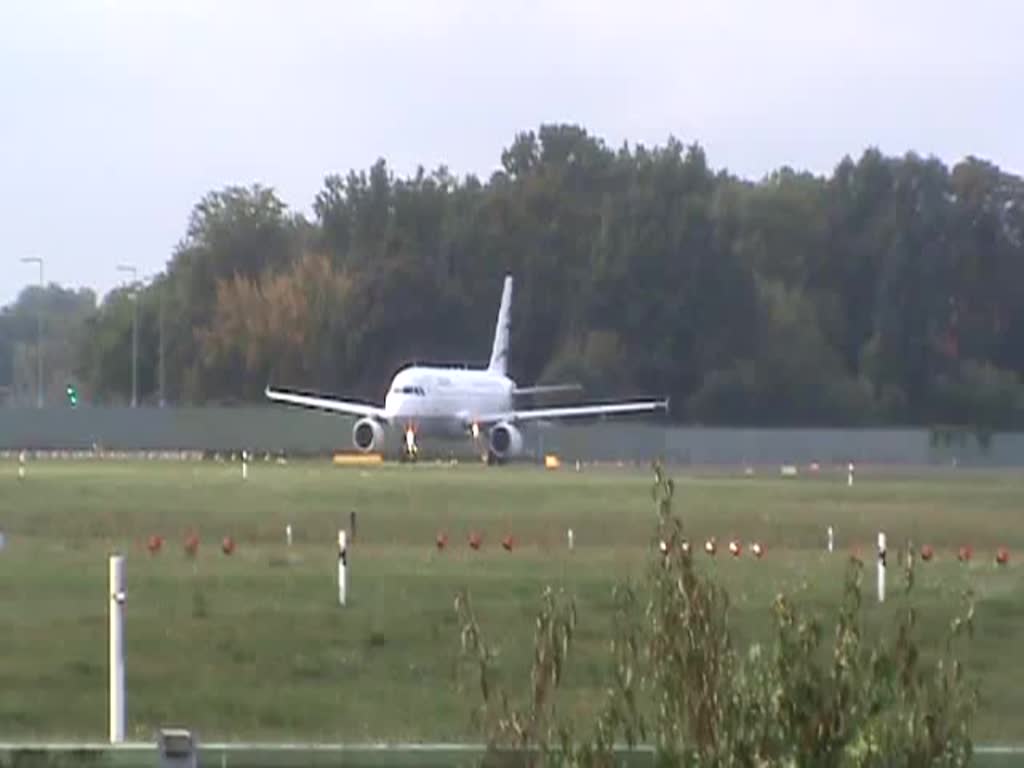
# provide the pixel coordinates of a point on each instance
(889, 292)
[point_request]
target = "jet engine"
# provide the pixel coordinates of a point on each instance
(367, 435)
(505, 441)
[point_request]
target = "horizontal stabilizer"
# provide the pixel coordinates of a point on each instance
(547, 389)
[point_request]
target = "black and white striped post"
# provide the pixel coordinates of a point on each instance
(342, 567)
(881, 567)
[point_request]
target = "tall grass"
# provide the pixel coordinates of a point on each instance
(680, 682)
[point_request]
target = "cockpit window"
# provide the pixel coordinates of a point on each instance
(410, 390)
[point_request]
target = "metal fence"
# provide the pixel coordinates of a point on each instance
(272, 429)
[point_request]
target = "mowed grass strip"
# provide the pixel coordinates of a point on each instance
(254, 646)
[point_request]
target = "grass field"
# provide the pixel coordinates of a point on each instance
(255, 647)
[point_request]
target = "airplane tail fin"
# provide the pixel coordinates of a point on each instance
(499, 352)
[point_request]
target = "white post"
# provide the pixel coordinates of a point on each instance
(849, 475)
(342, 567)
(288, 533)
(881, 567)
(117, 598)
(245, 465)
(569, 536)
(21, 465)
(831, 539)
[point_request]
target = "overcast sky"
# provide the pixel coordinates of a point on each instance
(116, 116)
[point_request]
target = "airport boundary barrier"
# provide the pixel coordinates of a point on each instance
(235, 755)
(276, 431)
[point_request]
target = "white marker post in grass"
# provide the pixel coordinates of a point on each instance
(245, 465)
(117, 599)
(569, 537)
(831, 539)
(21, 465)
(342, 567)
(288, 534)
(849, 475)
(881, 567)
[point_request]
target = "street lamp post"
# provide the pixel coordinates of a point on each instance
(135, 330)
(39, 331)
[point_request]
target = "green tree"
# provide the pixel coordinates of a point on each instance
(278, 327)
(239, 230)
(64, 314)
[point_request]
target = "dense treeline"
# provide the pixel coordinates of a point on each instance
(891, 291)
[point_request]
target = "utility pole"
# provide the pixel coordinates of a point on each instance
(135, 331)
(39, 331)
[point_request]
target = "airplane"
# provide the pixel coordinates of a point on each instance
(452, 402)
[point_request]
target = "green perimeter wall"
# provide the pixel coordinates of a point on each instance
(271, 429)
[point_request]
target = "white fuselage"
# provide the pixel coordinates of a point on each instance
(445, 401)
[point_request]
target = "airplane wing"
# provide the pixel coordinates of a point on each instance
(575, 411)
(349, 407)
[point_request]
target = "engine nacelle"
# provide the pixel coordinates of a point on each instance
(505, 441)
(368, 435)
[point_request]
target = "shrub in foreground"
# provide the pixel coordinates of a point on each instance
(680, 684)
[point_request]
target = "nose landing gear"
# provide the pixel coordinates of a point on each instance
(409, 450)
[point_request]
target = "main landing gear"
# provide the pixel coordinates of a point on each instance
(484, 451)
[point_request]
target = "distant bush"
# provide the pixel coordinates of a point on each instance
(681, 685)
